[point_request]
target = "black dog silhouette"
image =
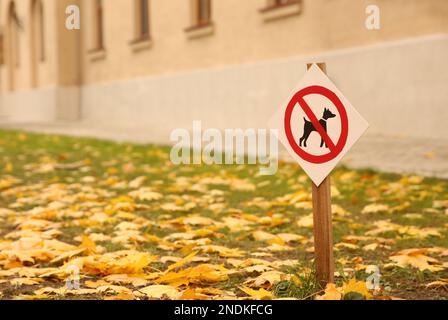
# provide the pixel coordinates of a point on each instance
(308, 127)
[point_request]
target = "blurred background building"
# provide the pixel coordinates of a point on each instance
(156, 65)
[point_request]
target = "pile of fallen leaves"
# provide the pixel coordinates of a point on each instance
(96, 220)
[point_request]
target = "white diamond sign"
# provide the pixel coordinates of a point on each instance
(318, 125)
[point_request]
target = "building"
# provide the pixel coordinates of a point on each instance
(159, 65)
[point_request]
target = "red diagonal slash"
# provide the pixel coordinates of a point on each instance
(298, 99)
(306, 108)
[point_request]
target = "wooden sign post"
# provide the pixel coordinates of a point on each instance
(323, 232)
(323, 227)
(317, 105)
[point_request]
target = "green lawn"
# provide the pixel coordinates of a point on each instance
(247, 232)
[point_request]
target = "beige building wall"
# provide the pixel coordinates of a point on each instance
(241, 34)
(33, 89)
(399, 87)
(22, 74)
(235, 72)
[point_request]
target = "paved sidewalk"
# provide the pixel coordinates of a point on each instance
(428, 157)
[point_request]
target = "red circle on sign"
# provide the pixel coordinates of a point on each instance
(298, 98)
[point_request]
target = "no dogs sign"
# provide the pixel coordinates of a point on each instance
(318, 125)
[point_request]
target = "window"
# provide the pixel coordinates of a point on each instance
(276, 9)
(201, 19)
(282, 2)
(38, 31)
(99, 32)
(203, 12)
(142, 21)
(2, 58)
(13, 36)
(13, 25)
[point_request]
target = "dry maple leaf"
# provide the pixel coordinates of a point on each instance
(375, 207)
(442, 283)
(331, 293)
(137, 182)
(63, 291)
(127, 279)
(222, 251)
(337, 210)
(236, 224)
(290, 237)
(191, 294)
(121, 296)
(88, 244)
(248, 262)
(267, 279)
(159, 291)
(198, 221)
(277, 248)
(67, 255)
(95, 284)
(417, 259)
(383, 226)
(260, 294)
(25, 281)
(204, 273)
(350, 246)
(119, 262)
(145, 194)
(183, 261)
(113, 289)
(356, 286)
(268, 237)
(306, 222)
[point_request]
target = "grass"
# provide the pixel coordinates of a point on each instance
(26, 156)
(306, 287)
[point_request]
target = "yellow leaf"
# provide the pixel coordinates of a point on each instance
(146, 194)
(442, 283)
(374, 208)
(25, 281)
(8, 167)
(267, 279)
(257, 294)
(197, 221)
(199, 274)
(192, 294)
(222, 251)
(331, 293)
(182, 262)
(356, 286)
(370, 247)
(111, 289)
(277, 248)
(121, 296)
(132, 263)
(125, 279)
(268, 237)
(416, 258)
(96, 284)
(160, 291)
(306, 222)
(137, 182)
(350, 246)
(258, 268)
(88, 244)
(290, 237)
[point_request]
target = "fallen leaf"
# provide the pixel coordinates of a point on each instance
(331, 293)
